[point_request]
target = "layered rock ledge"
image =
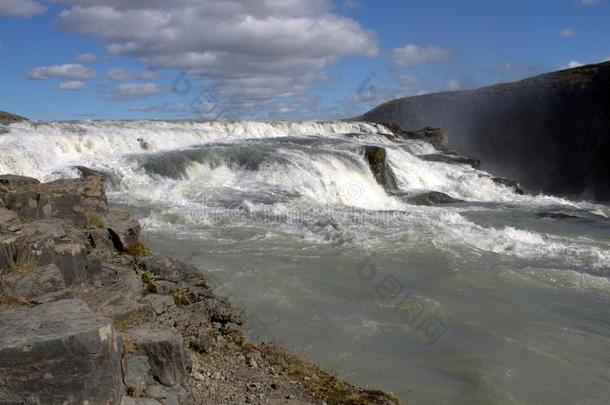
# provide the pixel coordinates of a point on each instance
(89, 316)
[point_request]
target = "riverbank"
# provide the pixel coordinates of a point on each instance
(90, 314)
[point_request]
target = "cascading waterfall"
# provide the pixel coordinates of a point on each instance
(219, 194)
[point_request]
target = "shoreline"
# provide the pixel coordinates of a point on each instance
(151, 325)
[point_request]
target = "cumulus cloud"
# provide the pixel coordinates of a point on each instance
(120, 74)
(130, 91)
(86, 57)
(413, 55)
(249, 50)
(72, 85)
(21, 8)
(567, 33)
(69, 71)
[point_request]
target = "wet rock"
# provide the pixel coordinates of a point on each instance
(435, 136)
(376, 158)
(59, 353)
(135, 374)
(123, 229)
(430, 198)
(512, 184)
(452, 159)
(556, 215)
(30, 284)
(108, 178)
(165, 350)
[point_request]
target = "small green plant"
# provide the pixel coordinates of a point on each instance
(138, 249)
(149, 283)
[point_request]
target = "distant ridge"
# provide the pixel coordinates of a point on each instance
(551, 132)
(7, 118)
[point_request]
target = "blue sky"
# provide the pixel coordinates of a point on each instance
(282, 59)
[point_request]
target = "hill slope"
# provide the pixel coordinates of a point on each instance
(551, 132)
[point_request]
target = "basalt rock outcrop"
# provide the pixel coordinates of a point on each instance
(89, 316)
(552, 132)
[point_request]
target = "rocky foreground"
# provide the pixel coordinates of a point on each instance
(89, 316)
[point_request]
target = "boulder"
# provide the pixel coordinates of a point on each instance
(165, 350)
(108, 178)
(435, 136)
(59, 353)
(119, 297)
(123, 229)
(71, 258)
(90, 189)
(429, 198)
(376, 157)
(31, 284)
(512, 184)
(136, 371)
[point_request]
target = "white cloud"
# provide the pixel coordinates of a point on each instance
(69, 71)
(72, 85)
(589, 2)
(567, 33)
(121, 74)
(246, 50)
(454, 84)
(413, 55)
(21, 8)
(130, 91)
(86, 57)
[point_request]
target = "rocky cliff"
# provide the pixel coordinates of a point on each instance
(89, 316)
(551, 132)
(6, 118)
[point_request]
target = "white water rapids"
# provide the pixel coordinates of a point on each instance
(287, 215)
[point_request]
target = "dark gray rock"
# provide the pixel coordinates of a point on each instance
(136, 374)
(71, 258)
(119, 297)
(9, 221)
(123, 229)
(28, 285)
(376, 158)
(452, 159)
(59, 353)
(429, 198)
(167, 395)
(108, 178)
(435, 136)
(160, 303)
(18, 181)
(512, 184)
(165, 351)
(169, 269)
(556, 215)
